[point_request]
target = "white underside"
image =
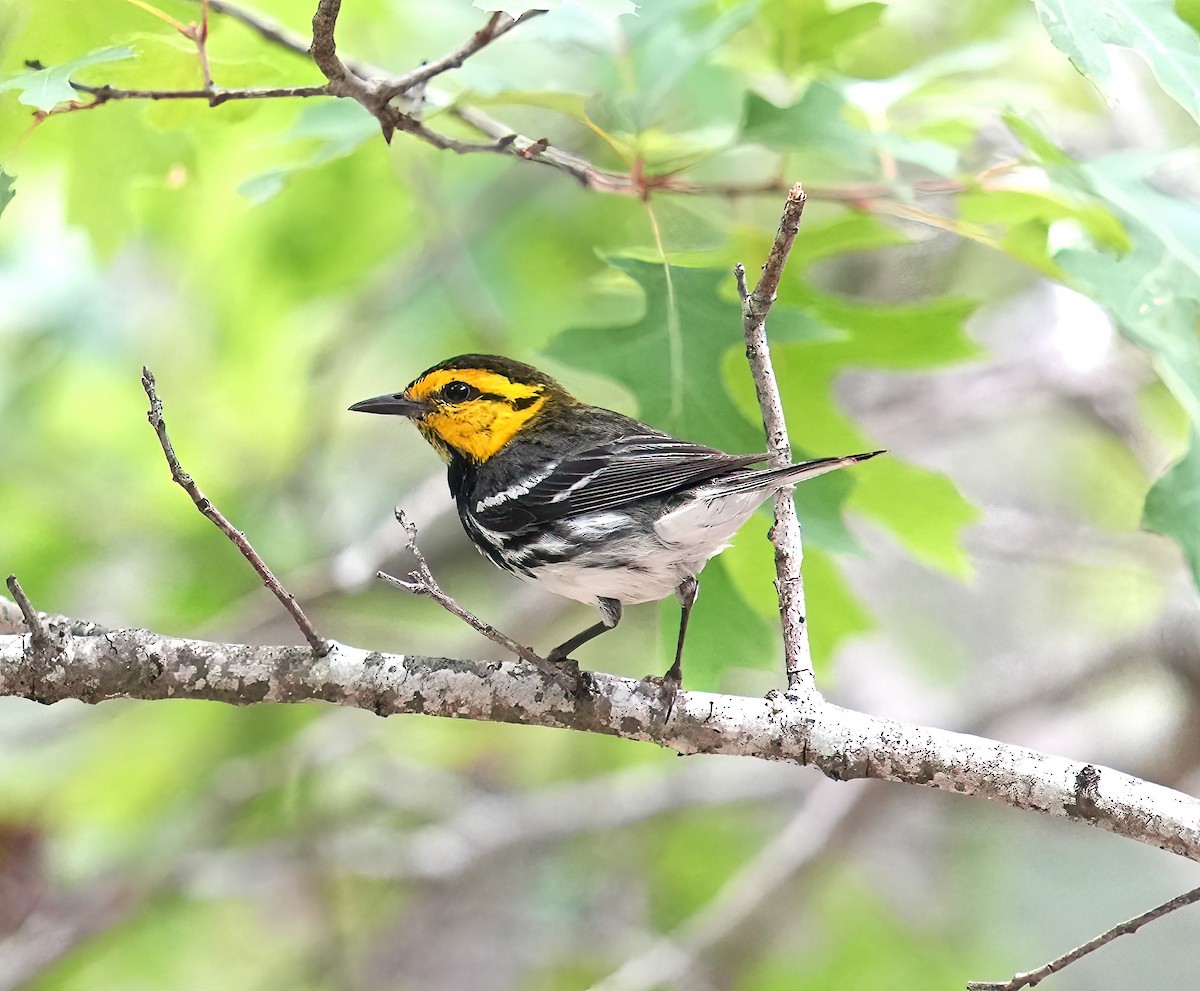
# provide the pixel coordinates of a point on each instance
(683, 541)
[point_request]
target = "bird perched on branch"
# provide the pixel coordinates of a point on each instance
(591, 504)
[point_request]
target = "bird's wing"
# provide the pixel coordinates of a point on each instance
(612, 474)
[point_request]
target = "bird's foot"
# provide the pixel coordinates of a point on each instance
(568, 665)
(577, 676)
(668, 689)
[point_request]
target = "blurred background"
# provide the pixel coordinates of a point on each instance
(996, 280)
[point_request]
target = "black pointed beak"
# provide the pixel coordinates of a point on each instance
(396, 404)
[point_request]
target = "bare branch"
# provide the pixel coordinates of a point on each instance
(844, 744)
(1030, 978)
(498, 24)
(324, 48)
(422, 582)
(542, 151)
(155, 415)
(38, 638)
(277, 34)
(215, 97)
(785, 534)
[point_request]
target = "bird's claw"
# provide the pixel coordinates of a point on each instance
(668, 689)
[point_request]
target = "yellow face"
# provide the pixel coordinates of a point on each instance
(473, 411)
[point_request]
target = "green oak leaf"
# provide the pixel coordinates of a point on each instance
(1152, 290)
(46, 88)
(675, 374)
(1173, 505)
(7, 192)
(816, 120)
(1082, 29)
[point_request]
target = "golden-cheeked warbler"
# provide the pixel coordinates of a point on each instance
(592, 504)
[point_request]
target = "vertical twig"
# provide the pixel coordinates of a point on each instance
(39, 639)
(202, 47)
(324, 48)
(785, 534)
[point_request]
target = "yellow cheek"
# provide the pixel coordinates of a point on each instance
(477, 432)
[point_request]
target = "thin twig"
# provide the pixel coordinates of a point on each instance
(39, 639)
(785, 534)
(201, 40)
(319, 646)
(422, 582)
(215, 97)
(1030, 978)
(498, 24)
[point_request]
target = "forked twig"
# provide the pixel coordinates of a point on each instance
(1032, 977)
(422, 582)
(320, 646)
(498, 24)
(785, 534)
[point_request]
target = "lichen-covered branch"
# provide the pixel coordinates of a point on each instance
(842, 743)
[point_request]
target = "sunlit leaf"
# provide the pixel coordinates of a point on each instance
(816, 120)
(1173, 505)
(46, 88)
(676, 377)
(1082, 28)
(7, 190)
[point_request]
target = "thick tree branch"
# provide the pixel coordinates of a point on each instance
(843, 744)
(785, 534)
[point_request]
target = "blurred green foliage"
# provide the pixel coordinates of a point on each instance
(274, 261)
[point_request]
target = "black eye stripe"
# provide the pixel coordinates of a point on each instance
(461, 392)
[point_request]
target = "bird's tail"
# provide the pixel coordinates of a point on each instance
(791, 474)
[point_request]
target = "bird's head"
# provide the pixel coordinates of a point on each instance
(472, 405)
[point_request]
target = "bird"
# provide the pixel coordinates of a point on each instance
(589, 503)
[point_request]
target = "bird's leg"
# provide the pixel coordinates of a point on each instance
(669, 683)
(610, 613)
(687, 592)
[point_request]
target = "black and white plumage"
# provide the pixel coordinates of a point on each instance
(591, 504)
